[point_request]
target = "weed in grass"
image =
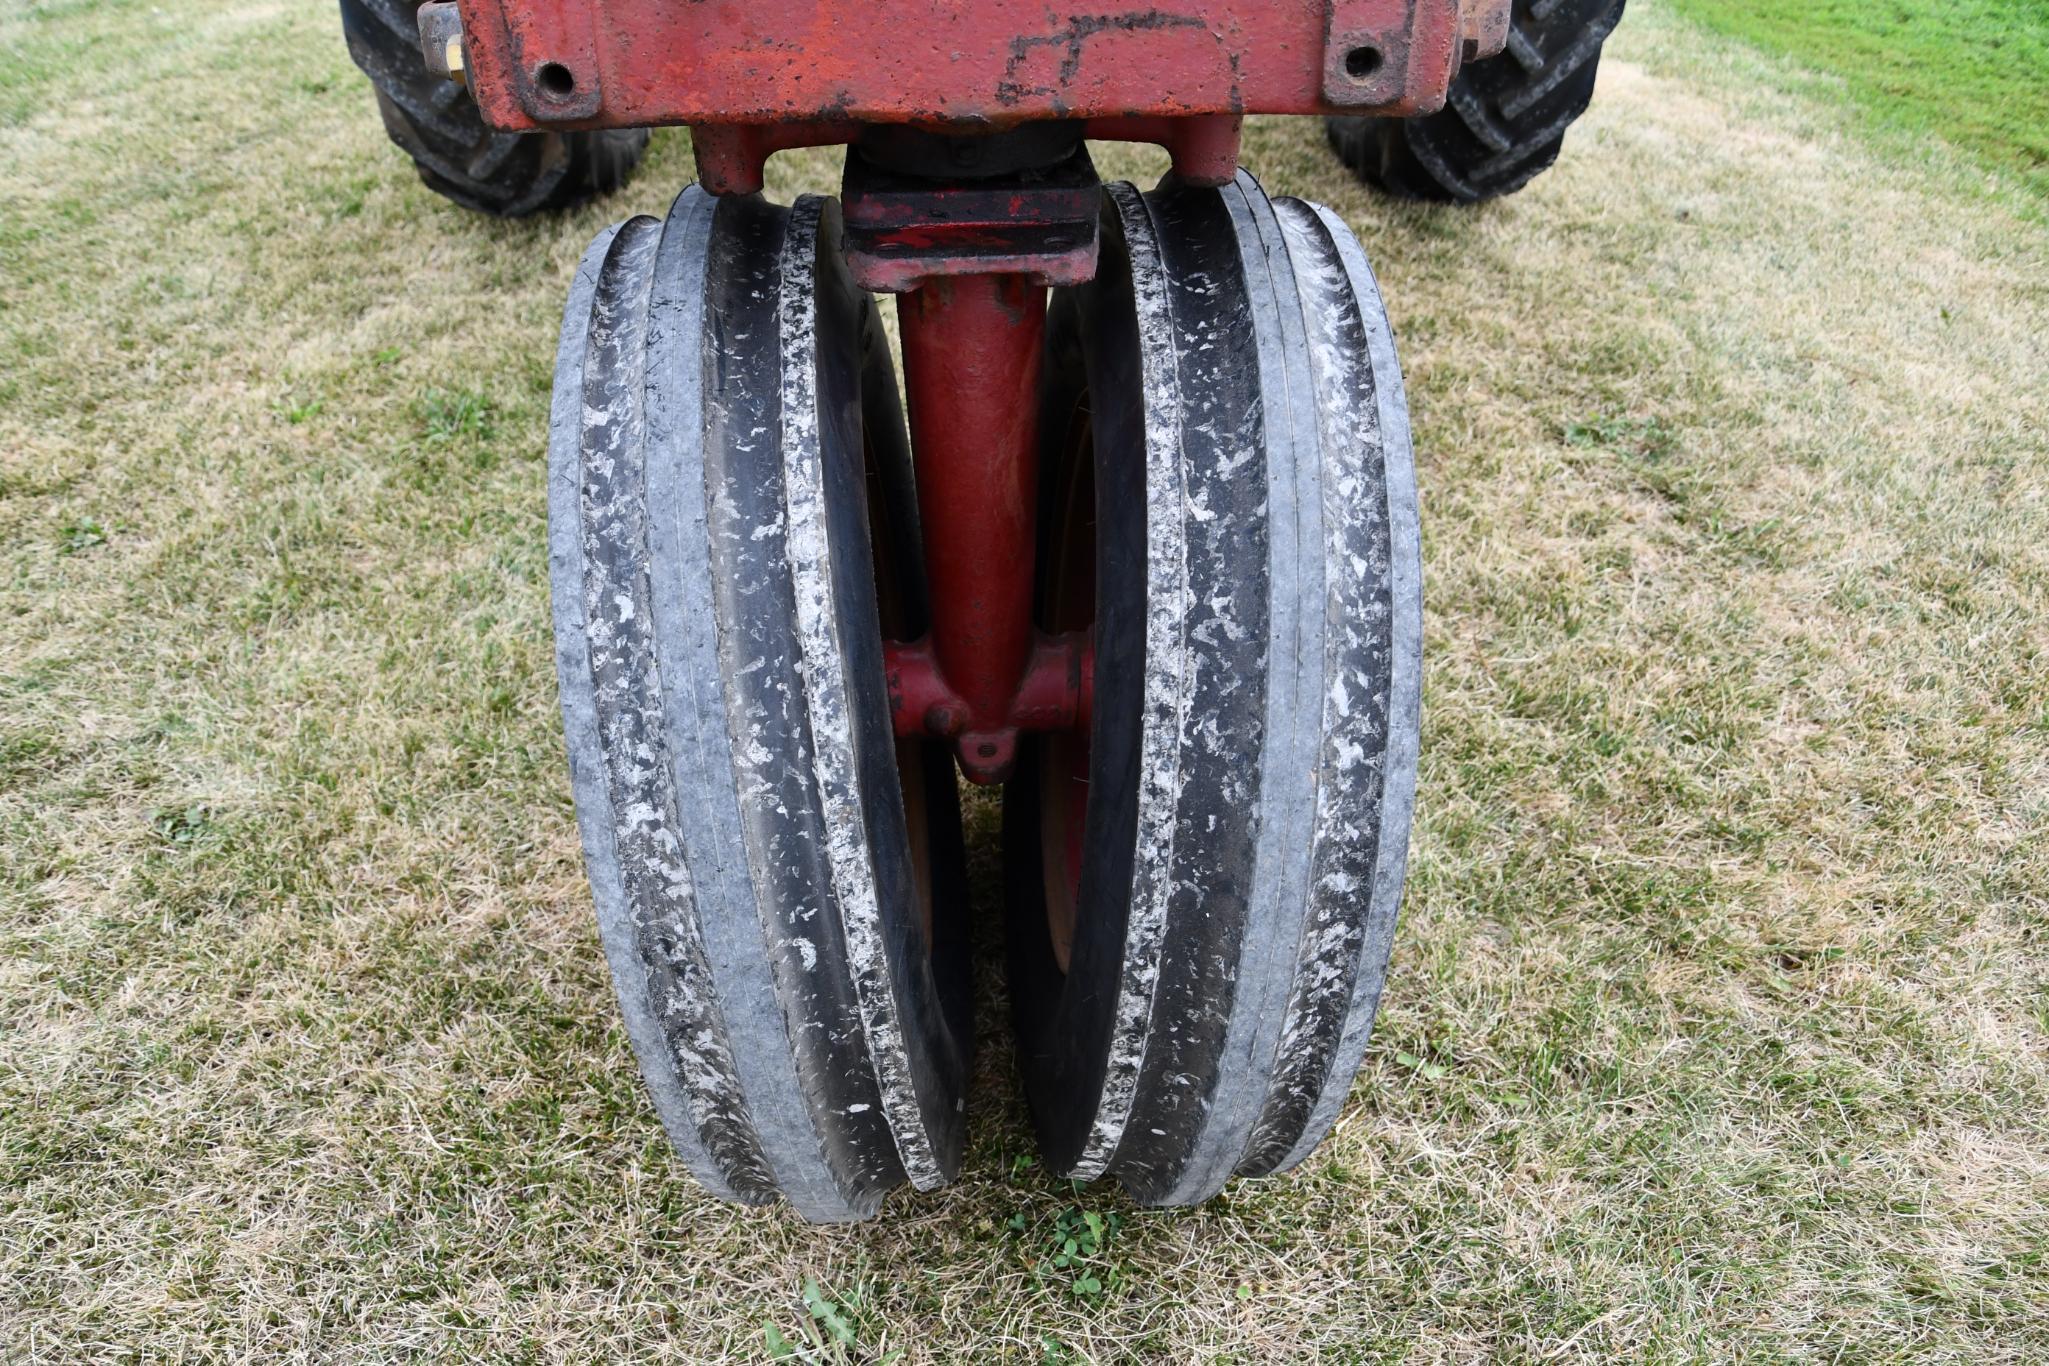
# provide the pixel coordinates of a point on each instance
(1075, 1253)
(450, 416)
(80, 533)
(829, 1334)
(1646, 438)
(181, 826)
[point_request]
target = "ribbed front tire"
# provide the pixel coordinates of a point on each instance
(1203, 894)
(785, 928)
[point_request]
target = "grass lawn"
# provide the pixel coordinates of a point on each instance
(1973, 72)
(1719, 1022)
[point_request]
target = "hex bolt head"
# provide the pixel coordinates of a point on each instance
(441, 40)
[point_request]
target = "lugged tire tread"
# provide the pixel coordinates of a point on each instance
(459, 156)
(1504, 119)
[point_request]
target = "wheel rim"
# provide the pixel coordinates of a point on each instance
(1067, 603)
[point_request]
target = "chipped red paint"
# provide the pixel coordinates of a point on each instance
(1204, 147)
(1054, 694)
(903, 231)
(730, 155)
(981, 63)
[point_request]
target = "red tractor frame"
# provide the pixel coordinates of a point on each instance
(968, 258)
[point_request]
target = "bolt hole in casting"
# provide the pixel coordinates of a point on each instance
(555, 80)
(1362, 62)
(1136, 543)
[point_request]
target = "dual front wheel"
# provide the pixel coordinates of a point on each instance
(1201, 889)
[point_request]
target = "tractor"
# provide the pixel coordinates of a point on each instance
(1133, 539)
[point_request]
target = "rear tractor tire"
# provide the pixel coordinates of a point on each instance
(459, 156)
(1504, 120)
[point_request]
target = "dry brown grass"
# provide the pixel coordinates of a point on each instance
(1718, 1023)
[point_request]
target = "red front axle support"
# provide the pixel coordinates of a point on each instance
(755, 78)
(971, 371)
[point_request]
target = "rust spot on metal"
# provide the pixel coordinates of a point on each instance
(991, 64)
(1073, 38)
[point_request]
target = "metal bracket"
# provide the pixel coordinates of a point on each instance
(1366, 51)
(554, 64)
(902, 230)
(1483, 24)
(441, 40)
(1380, 53)
(984, 65)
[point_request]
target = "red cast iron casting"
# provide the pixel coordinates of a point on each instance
(990, 63)
(971, 374)
(1054, 694)
(969, 259)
